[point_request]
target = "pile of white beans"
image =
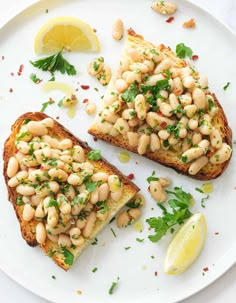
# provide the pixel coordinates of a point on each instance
(49, 176)
(186, 106)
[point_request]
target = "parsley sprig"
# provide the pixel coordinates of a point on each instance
(183, 51)
(179, 206)
(54, 63)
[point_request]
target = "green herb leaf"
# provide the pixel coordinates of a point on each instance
(102, 206)
(226, 86)
(94, 155)
(54, 63)
(113, 285)
(69, 257)
(180, 212)
(139, 240)
(35, 79)
(19, 200)
(45, 105)
(95, 269)
(183, 51)
(130, 94)
(92, 185)
(152, 178)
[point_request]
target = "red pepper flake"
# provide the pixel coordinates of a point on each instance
(194, 57)
(169, 20)
(3, 57)
(148, 188)
(149, 228)
(205, 269)
(51, 100)
(216, 233)
(130, 176)
(85, 100)
(41, 167)
(79, 292)
(20, 70)
(57, 117)
(163, 124)
(95, 139)
(12, 74)
(10, 90)
(156, 273)
(85, 87)
(76, 89)
(94, 29)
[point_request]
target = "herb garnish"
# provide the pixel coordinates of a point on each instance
(45, 105)
(114, 284)
(152, 177)
(69, 257)
(54, 63)
(34, 78)
(94, 155)
(226, 86)
(183, 51)
(130, 94)
(180, 212)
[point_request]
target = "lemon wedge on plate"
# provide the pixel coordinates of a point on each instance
(186, 245)
(69, 33)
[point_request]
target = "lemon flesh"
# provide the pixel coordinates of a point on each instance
(186, 245)
(69, 33)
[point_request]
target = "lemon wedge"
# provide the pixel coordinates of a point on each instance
(186, 245)
(69, 33)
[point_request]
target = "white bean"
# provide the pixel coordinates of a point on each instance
(164, 8)
(165, 64)
(152, 80)
(78, 242)
(28, 212)
(90, 108)
(88, 229)
(123, 219)
(174, 103)
(138, 66)
(199, 98)
(196, 138)
(143, 144)
(80, 223)
(109, 116)
(117, 29)
(114, 183)
(41, 234)
(157, 191)
(96, 66)
(188, 81)
(178, 86)
(52, 217)
(166, 109)
(154, 142)
(104, 76)
(103, 191)
(122, 126)
(23, 147)
(12, 167)
(65, 144)
(64, 240)
(163, 134)
(132, 138)
(197, 165)
(48, 122)
(215, 138)
(115, 196)
(222, 154)
(185, 99)
(190, 110)
(74, 179)
(121, 85)
(191, 154)
(140, 106)
(25, 190)
(100, 176)
(204, 144)
(94, 196)
(57, 229)
(39, 212)
(37, 128)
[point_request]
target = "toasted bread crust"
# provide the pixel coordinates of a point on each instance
(167, 157)
(28, 228)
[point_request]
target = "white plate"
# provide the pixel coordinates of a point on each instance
(215, 45)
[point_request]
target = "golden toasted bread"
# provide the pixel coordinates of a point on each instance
(159, 106)
(79, 189)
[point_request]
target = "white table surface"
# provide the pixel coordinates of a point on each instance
(223, 289)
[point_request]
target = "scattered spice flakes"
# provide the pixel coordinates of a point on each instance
(170, 19)
(19, 73)
(94, 29)
(205, 269)
(195, 57)
(156, 273)
(85, 87)
(3, 57)
(79, 292)
(53, 277)
(216, 233)
(190, 23)
(113, 285)
(11, 90)
(95, 139)
(113, 233)
(130, 176)
(86, 100)
(12, 74)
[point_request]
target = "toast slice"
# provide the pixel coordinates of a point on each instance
(159, 106)
(58, 196)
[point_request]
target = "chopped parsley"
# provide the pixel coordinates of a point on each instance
(152, 178)
(130, 94)
(180, 212)
(54, 63)
(45, 105)
(102, 206)
(226, 86)
(95, 269)
(94, 155)
(19, 201)
(35, 79)
(183, 51)
(139, 240)
(113, 285)
(113, 232)
(69, 257)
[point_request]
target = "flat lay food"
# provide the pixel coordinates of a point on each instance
(117, 149)
(63, 192)
(159, 106)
